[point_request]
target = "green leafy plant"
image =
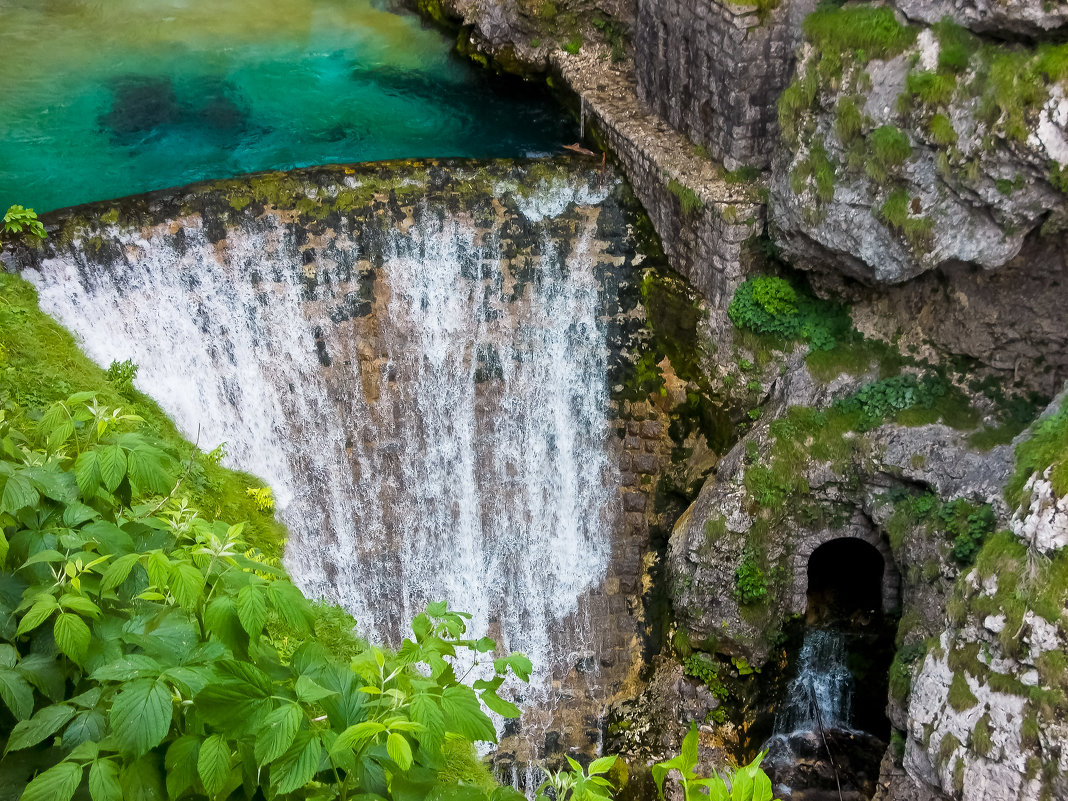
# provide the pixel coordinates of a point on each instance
(122, 375)
(263, 497)
(772, 305)
(576, 784)
(747, 783)
(144, 645)
(23, 222)
(751, 584)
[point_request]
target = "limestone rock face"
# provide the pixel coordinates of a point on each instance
(1005, 17)
(975, 202)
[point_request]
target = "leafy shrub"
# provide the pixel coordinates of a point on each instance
(263, 497)
(146, 641)
(747, 783)
(901, 669)
(576, 784)
(848, 121)
(23, 222)
(764, 304)
(572, 45)
(122, 375)
(881, 400)
(750, 583)
(968, 525)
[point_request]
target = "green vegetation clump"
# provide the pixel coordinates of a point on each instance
(22, 222)
(158, 647)
(751, 584)
(1045, 449)
(573, 44)
(817, 167)
(961, 698)
(901, 669)
(896, 212)
(689, 200)
(888, 149)
(883, 399)
(40, 364)
(932, 88)
(848, 120)
(865, 32)
(705, 668)
(122, 375)
(942, 131)
(772, 305)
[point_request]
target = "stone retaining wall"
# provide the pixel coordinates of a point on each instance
(715, 69)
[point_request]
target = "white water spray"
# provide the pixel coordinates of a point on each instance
(453, 445)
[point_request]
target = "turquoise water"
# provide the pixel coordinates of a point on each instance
(106, 98)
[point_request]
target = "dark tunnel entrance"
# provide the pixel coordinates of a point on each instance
(845, 584)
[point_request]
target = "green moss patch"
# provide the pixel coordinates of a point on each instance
(1045, 449)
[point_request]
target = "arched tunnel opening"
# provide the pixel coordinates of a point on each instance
(845, 584)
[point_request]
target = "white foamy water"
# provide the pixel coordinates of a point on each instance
(455, 448)
(821, 694)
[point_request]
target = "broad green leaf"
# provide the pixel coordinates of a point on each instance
(38, 614)
(506, 709)
(602, 765)
(58, 783)
(252, 609)
(464, 715)
(213, 764)
(87, 473)
(18, 494)
(399, 750)
(159, 568)
(310, 692)
(427, 713)
(507, 794)
(46, 722)
(141, 716)
(104, 781)
(355, 736)
(77, 513)
(79, 604)
(8, 656)
(141, 780)
(118, 571)
(181, 764)
(128, 667)
(437, 608)
(298, 765)
(87, 726)
(49, 555)
(112, 461)
(290, 604)
(279, 730)
(17, 693)
(45, 672)
(520, 665)
(147, 470)
(72, 636)
(187, 585)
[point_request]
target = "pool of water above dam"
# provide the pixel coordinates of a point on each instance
(108, 99)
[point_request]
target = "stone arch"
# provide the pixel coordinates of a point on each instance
(845, 581)
(862, 534)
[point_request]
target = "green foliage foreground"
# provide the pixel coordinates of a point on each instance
(143, 648)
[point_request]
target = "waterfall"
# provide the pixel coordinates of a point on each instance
(822, 690)
(428, 401)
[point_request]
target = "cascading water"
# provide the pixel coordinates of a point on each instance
(822, 692)
(428, 403)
